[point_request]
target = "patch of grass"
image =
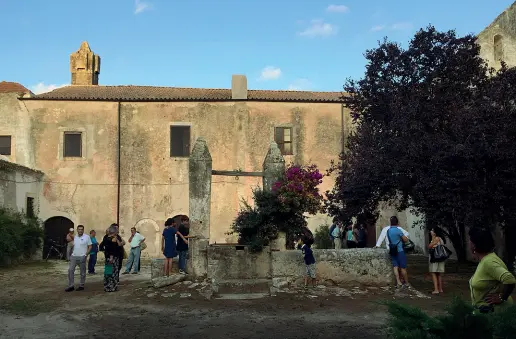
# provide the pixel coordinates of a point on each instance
(29, 307)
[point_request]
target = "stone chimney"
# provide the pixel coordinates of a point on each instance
(239, 87)
(84, 66)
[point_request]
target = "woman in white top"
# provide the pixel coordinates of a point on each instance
(436, 269)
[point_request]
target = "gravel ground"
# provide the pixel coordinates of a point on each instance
(33, 304)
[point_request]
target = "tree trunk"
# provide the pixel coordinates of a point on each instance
(457, 239)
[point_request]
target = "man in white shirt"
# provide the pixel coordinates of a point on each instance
(135, 241)
(383, 236)
(81, 249)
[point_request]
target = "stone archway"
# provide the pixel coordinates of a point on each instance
(55, 229)
(151, 231)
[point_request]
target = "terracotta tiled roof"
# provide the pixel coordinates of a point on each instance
(12, 87)
(149, 93)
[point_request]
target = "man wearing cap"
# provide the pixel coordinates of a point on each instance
(69, 243)
(81, 249)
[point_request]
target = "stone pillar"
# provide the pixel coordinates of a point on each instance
(274, 170)
(273, 166)
(200, 166)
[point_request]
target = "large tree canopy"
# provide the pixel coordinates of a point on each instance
(434, 130)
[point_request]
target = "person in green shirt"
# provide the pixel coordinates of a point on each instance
(492, 284)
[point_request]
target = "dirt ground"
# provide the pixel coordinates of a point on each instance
(33, 304)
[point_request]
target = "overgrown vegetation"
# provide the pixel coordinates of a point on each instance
(20, 238)
(435, 132)
(281, 210)
(322, 238)
(459, 321)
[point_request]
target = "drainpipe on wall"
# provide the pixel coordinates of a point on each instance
(118, 170)
(343, 145)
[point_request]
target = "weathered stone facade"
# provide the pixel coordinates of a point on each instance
(498, 40)
(131, 126)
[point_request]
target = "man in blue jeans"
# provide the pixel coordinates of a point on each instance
(135, 241)
(182, 246)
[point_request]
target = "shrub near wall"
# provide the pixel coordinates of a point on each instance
(322, 238)
(20, 236)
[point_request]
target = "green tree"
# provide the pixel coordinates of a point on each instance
(322, 238)
(432, 132)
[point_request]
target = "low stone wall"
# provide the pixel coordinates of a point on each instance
(227, 262)
(362, 266)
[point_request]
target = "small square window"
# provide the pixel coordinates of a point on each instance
(283, 137)
(72, 145)
(5, 144)
(179, 141)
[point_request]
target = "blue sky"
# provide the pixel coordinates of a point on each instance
(283, 44)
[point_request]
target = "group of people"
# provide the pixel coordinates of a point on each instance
(490, 286)
(82, 246)
(352, 236)
(171, 248)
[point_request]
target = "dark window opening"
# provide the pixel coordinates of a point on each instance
(179, 141)
(283, 137)
(72, 145)
(5, 144)
(30, 207)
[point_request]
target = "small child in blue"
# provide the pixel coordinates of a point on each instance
(308, 256)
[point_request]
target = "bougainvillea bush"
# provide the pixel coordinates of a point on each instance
(283, 209)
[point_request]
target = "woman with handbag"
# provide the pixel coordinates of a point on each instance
(112, 246)
(436, 267)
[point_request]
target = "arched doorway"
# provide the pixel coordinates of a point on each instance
(56, 229)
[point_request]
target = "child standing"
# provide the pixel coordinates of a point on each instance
(93, 253)
(308, 256)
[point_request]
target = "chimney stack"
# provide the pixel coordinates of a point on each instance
(239, 87)
(85, 66)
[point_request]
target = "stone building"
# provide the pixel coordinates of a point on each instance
(498, 40)
(121, 152)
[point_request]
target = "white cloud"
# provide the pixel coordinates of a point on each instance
(42, 88)
(377, 28)
(141, 6)
(337, 9)
(319, 28)
(400, 26)
(300, 85)
(270, 73)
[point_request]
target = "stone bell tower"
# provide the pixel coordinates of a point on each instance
(85, 66)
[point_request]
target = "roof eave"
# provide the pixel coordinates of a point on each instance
(322, 101)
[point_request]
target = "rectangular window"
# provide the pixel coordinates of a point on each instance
(179, 141)
(283, 137)
(72, 145)
(5, 144)
(30, 207)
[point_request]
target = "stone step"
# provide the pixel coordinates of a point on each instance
(241, 286)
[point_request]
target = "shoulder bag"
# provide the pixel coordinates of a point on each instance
(393, 248)
(440, 253)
